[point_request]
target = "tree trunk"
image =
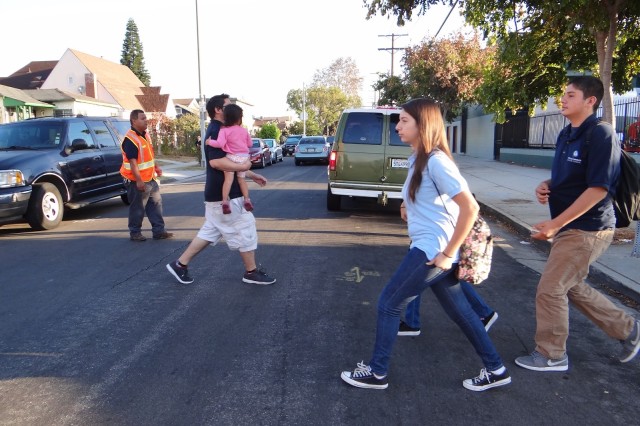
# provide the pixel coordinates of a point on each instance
(606, 45)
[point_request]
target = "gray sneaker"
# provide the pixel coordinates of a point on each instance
(538, 362)
(631, 344)
(258, 276)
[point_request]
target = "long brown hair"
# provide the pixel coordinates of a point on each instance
(432, 136)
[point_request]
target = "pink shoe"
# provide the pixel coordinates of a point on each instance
(226, 209)
(247, 205)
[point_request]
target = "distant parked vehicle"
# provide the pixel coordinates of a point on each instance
(289, 147)
(312, 149)
(259, 153)
(276, 150)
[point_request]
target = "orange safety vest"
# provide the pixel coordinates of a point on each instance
(146, 165)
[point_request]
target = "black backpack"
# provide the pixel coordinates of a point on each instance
(626, 199)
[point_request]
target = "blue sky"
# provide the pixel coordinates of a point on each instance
(255, 50)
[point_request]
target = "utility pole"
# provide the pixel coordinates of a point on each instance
(392, 48)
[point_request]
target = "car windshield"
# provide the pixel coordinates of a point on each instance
(269, 142)
(31, 135)
(292, 139)
(314, 141)
(256, 143)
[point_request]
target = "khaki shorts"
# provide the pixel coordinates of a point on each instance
(238, 228)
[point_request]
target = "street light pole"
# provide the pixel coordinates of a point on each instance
(202, 98)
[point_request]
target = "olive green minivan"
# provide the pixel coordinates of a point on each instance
(368, 158)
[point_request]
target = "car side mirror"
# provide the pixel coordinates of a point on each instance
(78, 144)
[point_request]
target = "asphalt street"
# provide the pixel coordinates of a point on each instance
(94, 331)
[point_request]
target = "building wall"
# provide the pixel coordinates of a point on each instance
(480, 135)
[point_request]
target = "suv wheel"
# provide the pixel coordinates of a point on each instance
(298, 162)
(45, 209)
(333, 201)
(125, 198)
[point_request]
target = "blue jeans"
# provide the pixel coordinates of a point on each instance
(149, 202)
(411, 278)
(479, 306)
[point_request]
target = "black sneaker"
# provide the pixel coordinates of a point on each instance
(363, 377)
(488, 321)
(405, 330)
(487, 380)
(181, 274)
(258, 276)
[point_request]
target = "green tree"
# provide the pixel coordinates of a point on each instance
(269, 131)
(343, 73)
(449, 70)
(132, 55)
(541, 40)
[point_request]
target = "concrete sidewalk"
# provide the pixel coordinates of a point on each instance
(506, 191)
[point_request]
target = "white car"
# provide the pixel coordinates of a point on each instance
(276, 150)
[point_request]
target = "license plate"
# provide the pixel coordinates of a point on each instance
(399, 163)
(311, 150)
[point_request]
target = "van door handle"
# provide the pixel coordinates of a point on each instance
(97, 158)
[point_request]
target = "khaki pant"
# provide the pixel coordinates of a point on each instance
(572, 252)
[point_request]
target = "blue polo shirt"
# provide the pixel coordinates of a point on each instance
(576, 168)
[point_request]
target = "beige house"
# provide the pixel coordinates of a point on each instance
(107, 82)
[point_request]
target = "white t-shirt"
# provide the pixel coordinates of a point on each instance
(430, 226)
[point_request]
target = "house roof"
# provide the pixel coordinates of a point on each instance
(35, 67)
(185, 101)
(56, 95)
(31, 76)
(116, 78)
(20, 97)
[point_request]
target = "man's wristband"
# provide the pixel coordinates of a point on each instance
(450, 257)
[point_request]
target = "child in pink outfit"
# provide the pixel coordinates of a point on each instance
(235, 141)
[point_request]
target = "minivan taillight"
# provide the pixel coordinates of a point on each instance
(332, 160)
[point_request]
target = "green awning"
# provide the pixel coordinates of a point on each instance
(11, 102)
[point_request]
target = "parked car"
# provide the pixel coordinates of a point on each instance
(289, 147)
(311, 149)
(49, 164)
(259, 153)
(368, 158)
(275, 148)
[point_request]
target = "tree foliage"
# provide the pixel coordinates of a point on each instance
(540, 41)
(343, 73)
(333, 89)
(269, 131)
(132, 54)
(449, 70)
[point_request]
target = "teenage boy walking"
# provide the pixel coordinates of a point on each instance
(582, 225)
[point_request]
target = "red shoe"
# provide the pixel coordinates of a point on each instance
(248, 206)
(226, 209)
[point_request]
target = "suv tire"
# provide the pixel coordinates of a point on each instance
(125, 199)
(298, 162)
(333, 201)
(46, 208)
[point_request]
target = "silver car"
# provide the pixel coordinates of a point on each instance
(312, 149)
(276, 150)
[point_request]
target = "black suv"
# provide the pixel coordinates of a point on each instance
(289, 147)
(47, 164)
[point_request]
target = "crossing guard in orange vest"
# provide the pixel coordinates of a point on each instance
(140, 172)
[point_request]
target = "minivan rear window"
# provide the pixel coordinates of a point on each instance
(363, 128)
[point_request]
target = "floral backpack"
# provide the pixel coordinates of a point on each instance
(476, 253)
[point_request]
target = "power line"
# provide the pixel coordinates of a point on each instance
(392, 48)
(445, 19)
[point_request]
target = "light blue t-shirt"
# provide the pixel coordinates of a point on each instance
(430, 226)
